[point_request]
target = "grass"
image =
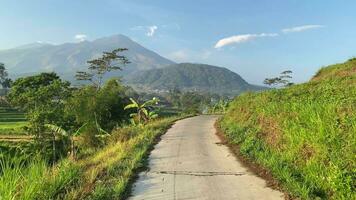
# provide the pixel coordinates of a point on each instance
(304, 134)
(103, 174)
(35, 180)
(108, 173)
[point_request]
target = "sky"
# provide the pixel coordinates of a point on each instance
(254, 38)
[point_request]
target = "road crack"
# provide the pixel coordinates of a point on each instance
(192, 173)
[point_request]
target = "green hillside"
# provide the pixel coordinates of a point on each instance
(192, 77)
(305, 135)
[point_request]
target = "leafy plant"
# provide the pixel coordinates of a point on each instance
(220, 106)
(144, 111)
(60, 131)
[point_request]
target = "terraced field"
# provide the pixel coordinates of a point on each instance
(11, 121)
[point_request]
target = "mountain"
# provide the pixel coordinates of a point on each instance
(66, 59)
(191, 77)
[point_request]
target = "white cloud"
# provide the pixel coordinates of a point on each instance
(80, 37)
(301, 28)
(242, 38)
(151, 30)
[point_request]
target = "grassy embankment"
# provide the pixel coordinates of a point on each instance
(103, 174)
(305, 135)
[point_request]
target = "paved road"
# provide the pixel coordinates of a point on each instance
(190, 163)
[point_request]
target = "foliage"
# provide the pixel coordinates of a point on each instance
(192, 102)
(105, 173)
(283, 79)
(104, 107)
(143, 112)
(220, 107)
(43, 98)
(304, 134)
(60, 131)
(98, 67)
(5, 82)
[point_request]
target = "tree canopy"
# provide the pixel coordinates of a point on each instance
(5, 81)
(42, 97)
(98, 67)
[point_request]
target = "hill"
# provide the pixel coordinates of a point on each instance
(191, 77)
(304, 134)
(67, 58)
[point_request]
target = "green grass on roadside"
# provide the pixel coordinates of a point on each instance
(304, 134)
(109, 172)
(104, 174)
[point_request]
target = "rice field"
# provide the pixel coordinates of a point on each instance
(12, 121)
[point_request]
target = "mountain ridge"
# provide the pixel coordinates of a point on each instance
(67, 58)
(191, 77)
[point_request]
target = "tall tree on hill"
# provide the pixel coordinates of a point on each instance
(5, 82)
(283, 79)
(109, 61)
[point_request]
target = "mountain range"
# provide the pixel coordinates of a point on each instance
(147, 70)
(66, 59)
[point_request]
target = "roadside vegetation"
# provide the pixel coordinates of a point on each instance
(88, 142)
(103, 173)
(303, 134)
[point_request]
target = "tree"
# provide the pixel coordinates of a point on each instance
(144, 112)
(283, 79)
(104, 107)
(43, 98)
(109, 61)
(5, 82)
(173, 97)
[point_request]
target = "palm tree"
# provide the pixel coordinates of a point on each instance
(143, 112)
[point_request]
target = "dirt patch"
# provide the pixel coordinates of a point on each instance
(307, 152)
(270, 133)
(252, 166)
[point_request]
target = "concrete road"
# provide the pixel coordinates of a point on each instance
(190, 163)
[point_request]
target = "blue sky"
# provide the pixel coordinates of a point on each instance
(256, 39)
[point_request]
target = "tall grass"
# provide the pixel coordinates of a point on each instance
(23, 179)
(304, 134)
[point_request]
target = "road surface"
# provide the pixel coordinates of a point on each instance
(190, 163)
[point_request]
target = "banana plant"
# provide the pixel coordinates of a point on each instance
(143, 112)
(60, 131)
